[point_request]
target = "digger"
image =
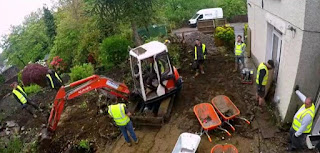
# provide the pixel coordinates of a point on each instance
(151, 105)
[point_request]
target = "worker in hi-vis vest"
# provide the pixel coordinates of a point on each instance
(151, 78)
(20, 95)
(262, 80)
(121, 117)
(239, 51)
(200, 53)
(302, 122)
(54, 80)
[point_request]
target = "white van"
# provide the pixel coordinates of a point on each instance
(206, 14)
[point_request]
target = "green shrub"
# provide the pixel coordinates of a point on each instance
(33, 88)
(226, 35)
(113, 51)
(14, 145)
(84, 144)
(79, 72)
(174, 51)
(20, 77)
(245, 30)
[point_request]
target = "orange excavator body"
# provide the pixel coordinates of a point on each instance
(93, 82)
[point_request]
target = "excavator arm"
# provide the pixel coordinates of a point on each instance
(80, 87)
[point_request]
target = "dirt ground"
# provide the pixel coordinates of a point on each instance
(81, 121)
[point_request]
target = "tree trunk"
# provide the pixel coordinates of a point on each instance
(136, 37)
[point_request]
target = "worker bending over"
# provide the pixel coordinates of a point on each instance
(262, 80)
(54, 80)
(302, 122)
(20, 95)
(121, 116)
(200, 52)
(239, 51)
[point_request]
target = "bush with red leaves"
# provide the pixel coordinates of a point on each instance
(34, 74)
(58, 64)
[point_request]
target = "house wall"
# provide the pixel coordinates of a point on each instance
(308, 73)
(263, 16)
(312, 16)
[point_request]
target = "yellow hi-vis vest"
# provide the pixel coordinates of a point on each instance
(296, 124)
(50, 78)
(20, 94)
(265, 78)
(203, 51)
(117, 112)
(239, 49)
(160, 65)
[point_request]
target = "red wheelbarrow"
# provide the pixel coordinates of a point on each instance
(227, 148)
(226, 109)
(208, 118)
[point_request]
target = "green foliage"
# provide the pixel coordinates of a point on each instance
(174, 51)
(178, 12)
(20, 77)
(226, 34)
(78, 34)
(84, 144)
(113, 51)
(245, 30)
(79, 72)
(15, 145)
(232, 8)
(33, 88)
(50, 25)
(84, 104)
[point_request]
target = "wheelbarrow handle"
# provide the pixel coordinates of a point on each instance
(232, 127)
(247, 121)
(209, 138)
(229, 134)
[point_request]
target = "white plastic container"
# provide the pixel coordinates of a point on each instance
(187, 143)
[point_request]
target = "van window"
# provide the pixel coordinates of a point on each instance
(195, 16)
(201, 16)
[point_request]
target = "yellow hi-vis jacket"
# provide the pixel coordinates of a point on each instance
(20, 94)
(296, 124)
(265, 78)
(239, 49)
(51, 81)
(203, 52)
(117, 112)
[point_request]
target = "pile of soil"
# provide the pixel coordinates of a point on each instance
(81, 120)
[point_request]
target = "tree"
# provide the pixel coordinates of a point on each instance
(137, 12)
(232, 8)
(49, 22)
(77, 33)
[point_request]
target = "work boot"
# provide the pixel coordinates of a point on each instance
(137, 141)
(197, 73)
(129, 144)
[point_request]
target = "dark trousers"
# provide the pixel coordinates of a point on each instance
(27, 107)
(297, 142)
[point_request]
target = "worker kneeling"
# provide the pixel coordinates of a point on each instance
(121, 116)
(302, 122)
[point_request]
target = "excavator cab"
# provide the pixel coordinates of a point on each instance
(155, 80)
(154, 76)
